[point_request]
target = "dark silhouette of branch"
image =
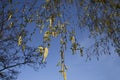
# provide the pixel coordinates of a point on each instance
(12, 66)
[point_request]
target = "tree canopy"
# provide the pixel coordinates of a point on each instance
(64, 20)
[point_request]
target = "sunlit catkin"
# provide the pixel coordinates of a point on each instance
(64, 75)
(19, 40)
(45, 54)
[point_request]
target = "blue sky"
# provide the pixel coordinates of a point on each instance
(107, 68)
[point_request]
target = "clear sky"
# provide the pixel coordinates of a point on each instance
(107, 68)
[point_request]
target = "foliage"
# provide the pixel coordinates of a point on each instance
(60, 19)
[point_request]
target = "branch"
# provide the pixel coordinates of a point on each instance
(18, 64)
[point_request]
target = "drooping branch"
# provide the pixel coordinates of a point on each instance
(15, 65)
